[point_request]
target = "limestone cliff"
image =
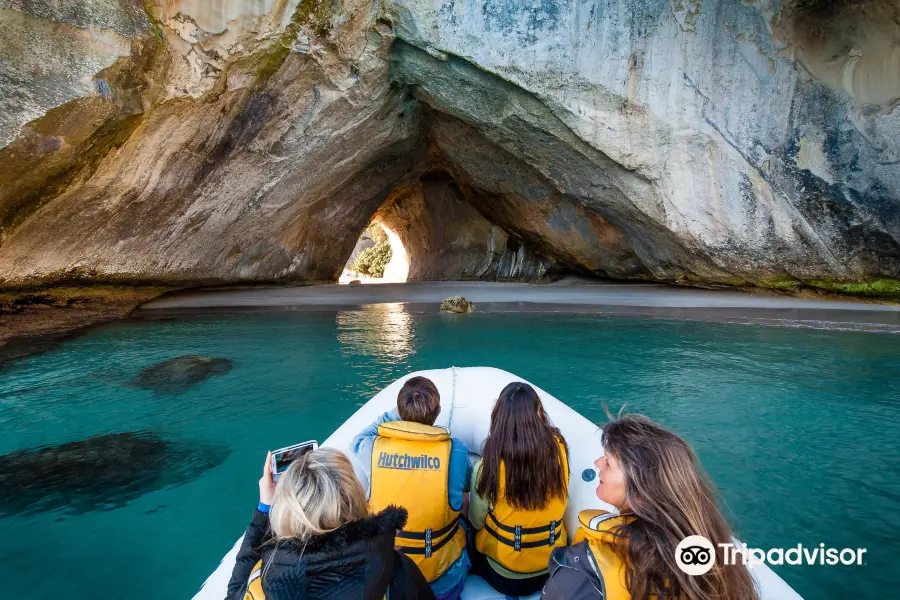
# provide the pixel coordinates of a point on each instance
(693, 141)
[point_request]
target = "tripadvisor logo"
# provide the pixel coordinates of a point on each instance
(696, 555)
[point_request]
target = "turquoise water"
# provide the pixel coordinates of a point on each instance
(798, 428)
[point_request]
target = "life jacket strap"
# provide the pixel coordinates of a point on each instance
(551, 528)
(429, 548)
(517, 545)
(421, 535)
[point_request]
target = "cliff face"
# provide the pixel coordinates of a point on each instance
(714, 141)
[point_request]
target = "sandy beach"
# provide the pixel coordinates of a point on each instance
(574, 296)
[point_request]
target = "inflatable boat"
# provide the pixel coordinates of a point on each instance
(467, 397)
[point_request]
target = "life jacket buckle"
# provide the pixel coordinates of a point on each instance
(428, 543)
(552, 532)
(518, 544)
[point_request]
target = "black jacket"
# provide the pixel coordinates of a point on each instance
(355, 561)
(574, 575)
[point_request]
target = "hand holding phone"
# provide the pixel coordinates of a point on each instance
(266, 483)
(282, 458)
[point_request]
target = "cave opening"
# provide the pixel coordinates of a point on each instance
(378, 257)
(433, 230)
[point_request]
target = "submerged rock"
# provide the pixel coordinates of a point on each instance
(102, 472)
(178, 374)
(457, 304)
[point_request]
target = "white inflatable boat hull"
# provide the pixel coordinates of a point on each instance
(467, 398)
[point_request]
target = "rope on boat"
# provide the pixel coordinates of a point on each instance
(453, 370)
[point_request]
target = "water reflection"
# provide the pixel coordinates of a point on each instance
(376, 344)
(384, 330)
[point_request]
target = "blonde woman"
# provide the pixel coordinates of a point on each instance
(312, 537)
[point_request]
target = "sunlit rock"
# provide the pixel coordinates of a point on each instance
(457, 304)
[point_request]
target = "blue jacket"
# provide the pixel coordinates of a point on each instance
(459, 474)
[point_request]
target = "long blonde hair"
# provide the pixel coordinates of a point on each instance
(318, 493)
(672, 499)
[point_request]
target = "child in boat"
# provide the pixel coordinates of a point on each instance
(312, 537)
(652, 477)
(404, 460)
(518, 495)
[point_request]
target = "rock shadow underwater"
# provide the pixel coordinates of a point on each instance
(177, 375)
(100, 473)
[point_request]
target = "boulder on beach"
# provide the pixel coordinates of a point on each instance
(176, 375)
(457, 304)
(101, 472)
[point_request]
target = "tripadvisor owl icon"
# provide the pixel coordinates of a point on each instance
(695, 555)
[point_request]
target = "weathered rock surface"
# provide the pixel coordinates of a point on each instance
(178, 374)
(717, 141)
(34, 322)
(52, 52)
(102, 472)
(457, 304)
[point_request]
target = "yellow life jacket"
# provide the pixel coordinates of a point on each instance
(522, 540)
(597, 527)
(410, 467)
(254, 585)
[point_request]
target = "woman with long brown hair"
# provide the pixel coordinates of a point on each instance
(653, 478)
(518, 494)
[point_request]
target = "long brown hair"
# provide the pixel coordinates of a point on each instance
(529, 445)
(671, 499)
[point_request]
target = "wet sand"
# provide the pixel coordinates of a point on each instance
(572, 296)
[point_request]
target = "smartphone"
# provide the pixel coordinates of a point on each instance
(283, 457)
